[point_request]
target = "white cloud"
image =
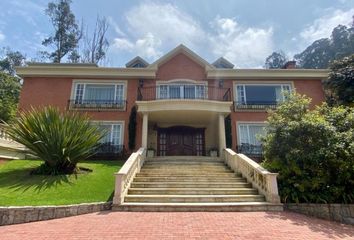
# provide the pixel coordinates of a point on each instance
(245, 47)
(152, 24)
(323, 26)
(153, 28)
(2, 37)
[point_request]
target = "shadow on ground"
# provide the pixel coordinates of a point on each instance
(328, 228)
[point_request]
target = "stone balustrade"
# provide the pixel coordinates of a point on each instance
(261, 179)
(126, 175)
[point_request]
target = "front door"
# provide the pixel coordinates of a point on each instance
(180, 141)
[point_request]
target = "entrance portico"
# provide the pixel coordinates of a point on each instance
(183, 127)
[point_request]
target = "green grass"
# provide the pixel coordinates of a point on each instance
(19, 188)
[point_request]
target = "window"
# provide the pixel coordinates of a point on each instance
(113, 133)
(248, 135)
(261, 95)
(181, 91)
(99, 95)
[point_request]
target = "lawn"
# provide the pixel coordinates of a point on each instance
(19, 188)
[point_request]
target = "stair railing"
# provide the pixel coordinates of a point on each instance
(126, 175)
(261, 179)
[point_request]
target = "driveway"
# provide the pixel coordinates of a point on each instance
(189, 225)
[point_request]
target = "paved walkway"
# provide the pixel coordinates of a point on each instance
(125, 225)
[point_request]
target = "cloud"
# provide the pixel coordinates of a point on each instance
(152, 24)
(323, 26)
(244, 46)
(154, 28)
(2, 37)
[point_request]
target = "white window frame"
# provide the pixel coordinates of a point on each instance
(116, 83)
(112, 123)
(181, 83)
(247, 125)
(243, 99)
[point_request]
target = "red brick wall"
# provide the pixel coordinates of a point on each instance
(39, 92)
(180, 67)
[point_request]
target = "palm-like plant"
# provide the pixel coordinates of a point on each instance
(60, 139)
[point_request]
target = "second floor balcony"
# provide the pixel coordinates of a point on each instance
(97, 105)
(184, 91)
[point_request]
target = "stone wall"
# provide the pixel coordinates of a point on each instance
(15, 215)
(343, 213)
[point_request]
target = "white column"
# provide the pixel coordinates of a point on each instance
(145, 131)
(222, 137)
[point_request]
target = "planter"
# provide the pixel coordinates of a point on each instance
(150, 153)
(213, 153)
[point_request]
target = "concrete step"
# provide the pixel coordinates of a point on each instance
(185, 158)
(199, 207)
(190, 185)
(189, 179)
(210, 175)
(192, 191)
(184, 171)
(192, 198)
(170, 163)
(175, 167)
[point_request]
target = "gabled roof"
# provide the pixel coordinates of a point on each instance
(222, 63)
(181, 49)
(135, 61)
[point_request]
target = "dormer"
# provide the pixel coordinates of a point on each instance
(137, 62)
(222, 63)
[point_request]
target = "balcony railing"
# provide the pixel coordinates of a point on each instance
(97, 105)
(109, 151)
(250, 150)
(205, 93)
(255, 105)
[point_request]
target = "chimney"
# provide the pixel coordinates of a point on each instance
(289, 65)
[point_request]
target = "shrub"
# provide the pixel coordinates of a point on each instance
(61, 140)
(313, 151)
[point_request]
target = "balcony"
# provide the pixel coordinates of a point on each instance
(187, 92)
(250, 150)
(255, 105)
(109, 151)
(97, 105)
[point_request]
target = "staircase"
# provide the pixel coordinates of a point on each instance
(191, 184)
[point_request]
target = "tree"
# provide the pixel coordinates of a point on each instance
(95, 47)
(9, 95)
(10, 60)
(340, 83)
(275, 60)
(66, 30)
(313, 151)
(323, 51)
(60, 139)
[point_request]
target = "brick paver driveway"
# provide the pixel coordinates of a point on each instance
(124, 225)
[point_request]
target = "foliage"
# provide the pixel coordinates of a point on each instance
(275, 60)
(340, 83)
(321, 52)
(10, 60)
(313, 151)
(19, 188)
(61, 140)
(228, 132)
(132, 128)
(9, 94)
(66, 30)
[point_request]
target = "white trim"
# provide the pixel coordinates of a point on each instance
(122, 123)
(238, 132)
(99, 82)
(181, 80)
(244, 84)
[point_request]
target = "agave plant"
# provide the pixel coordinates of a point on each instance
(60, 139)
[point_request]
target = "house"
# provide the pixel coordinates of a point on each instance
(182, 100)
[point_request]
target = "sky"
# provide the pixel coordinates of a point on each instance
(243, 31)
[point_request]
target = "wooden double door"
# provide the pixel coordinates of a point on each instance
(181, 141)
